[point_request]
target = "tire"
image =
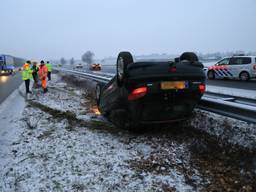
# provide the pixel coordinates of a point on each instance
(244, 76)
(189, 56)
(98, 94)
(123, 60)
(211, 75)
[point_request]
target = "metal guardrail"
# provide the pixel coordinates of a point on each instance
(229, 107)
(98, 78)
(234, 107)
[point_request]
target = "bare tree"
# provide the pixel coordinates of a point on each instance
(87, 57)
(72, 61)
(63, 61)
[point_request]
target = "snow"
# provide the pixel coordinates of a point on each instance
(228, 130)
(58, 143)
(57, 154)
(10, 111)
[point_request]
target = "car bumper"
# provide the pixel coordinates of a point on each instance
(164, 109)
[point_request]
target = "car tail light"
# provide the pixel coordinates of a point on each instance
(201, 88)
(137, 93)
(173, 69)
(254, 67)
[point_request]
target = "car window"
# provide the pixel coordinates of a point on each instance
(240, 60)
(246, 60)
(223, 62)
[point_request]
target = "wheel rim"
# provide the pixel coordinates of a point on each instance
(120, 68)
(244, 76)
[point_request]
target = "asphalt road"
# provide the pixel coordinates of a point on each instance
(8, 83)
(248, 85)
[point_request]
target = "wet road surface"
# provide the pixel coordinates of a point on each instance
(8, 83)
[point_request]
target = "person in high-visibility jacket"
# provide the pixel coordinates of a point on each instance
(43, 72)
(26, 75)
(49, 67)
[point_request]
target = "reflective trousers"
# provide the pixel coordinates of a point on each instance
(44, 83)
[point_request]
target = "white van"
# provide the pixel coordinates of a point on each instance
(236, 67)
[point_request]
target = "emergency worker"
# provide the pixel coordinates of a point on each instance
(49, 67)
(35, 70)
(26, 75)
(43, 72)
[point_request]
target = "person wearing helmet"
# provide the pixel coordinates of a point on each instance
(26, 75)
(49, 67)
(43, 72)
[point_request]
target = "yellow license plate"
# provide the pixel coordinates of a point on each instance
(173, 85)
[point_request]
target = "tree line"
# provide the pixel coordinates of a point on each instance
(87, 58)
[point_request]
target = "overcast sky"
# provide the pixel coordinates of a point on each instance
(54, 28)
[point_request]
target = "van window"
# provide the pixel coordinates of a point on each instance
(240, 60)
(246, 60)
(223, 62)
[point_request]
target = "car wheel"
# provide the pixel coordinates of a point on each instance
(123, 60)
(211, 75)
(98, 94)
(189, 56)
(244, 76)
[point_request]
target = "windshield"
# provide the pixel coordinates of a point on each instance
(223, 62)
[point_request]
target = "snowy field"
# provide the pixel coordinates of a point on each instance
(61, 143)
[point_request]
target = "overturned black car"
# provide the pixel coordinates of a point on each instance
(145, 92)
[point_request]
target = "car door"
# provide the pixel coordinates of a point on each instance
(232, 66)
(220, 68)
(239, 64)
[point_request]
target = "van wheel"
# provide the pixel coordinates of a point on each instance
(211, 75)
(189, 56)
(244, 76)
(123, 60)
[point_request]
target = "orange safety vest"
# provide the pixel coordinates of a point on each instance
(43, 72)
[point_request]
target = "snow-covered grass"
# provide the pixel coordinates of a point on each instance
(62, 145)
(62, 148)
(227, 130)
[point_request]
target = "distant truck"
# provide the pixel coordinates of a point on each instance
(7, 64)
